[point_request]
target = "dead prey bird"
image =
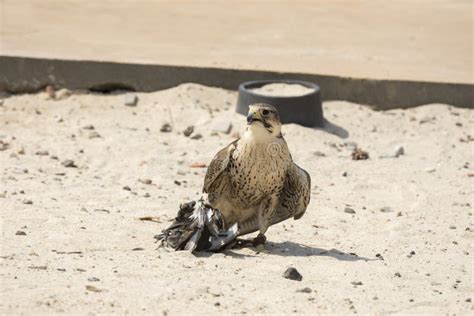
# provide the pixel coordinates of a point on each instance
(251, 184)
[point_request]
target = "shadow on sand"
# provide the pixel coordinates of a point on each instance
(334, 129)
(291, 249)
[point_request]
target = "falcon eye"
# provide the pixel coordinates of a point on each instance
(265, 112)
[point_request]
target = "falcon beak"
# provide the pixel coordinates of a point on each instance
(251, 117)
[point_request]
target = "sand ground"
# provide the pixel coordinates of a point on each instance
(72, 240)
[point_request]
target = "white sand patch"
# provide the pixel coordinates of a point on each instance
(282, 90)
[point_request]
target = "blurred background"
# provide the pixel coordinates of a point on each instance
(421, 40)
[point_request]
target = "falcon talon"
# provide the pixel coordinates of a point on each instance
(251, 184)
(259, 240)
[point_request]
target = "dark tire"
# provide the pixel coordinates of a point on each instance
(305, 109)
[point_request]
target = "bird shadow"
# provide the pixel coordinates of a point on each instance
(334, 129)
(291, 249)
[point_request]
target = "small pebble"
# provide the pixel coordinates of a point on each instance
(166, 128)
(28, 202)
(188, 131)
(399, 151)
(386, 209)
(63, 94)
(42, 153)
(20, 233)
(145, 181)
(349, 210)
(93, 279)
(94, 134)
(68, 163)
(131, 100)
(356, 283)
(88, 127)
(127, 188)
(196, 136)
(304, 290)
(223, 125)
(292, 274)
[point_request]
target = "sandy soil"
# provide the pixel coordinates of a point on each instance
(282, 90)
(383, 235)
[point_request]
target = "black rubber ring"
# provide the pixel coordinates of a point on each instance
(305, 109)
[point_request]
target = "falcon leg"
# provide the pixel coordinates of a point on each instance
(265, 213)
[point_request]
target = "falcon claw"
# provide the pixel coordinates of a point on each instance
(260, 248)
(259, 240)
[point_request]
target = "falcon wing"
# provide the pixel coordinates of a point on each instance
(292, 201)
(218, 165)
(295, 196)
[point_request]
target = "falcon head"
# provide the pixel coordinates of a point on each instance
(264, 118)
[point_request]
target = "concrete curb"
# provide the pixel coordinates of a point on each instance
(23, 75)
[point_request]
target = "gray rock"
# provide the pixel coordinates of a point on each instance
(94, 134)
(131, 100)
(349, 210)
(68, 163)
(304, 290)
(188, 131)
(356, 283)
(223, 125)
(42, 153)
(93, 279)
(166, 128)
(63, 94)
(197, 136)
(26, 201)
(20, 233)
(145, 181)
(386, 209)
(292, 274)
(399, 151)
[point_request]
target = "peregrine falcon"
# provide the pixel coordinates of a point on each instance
(253, 181)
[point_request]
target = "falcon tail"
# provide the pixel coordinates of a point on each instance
(198, 227)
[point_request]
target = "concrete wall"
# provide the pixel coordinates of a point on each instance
(20, 75)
